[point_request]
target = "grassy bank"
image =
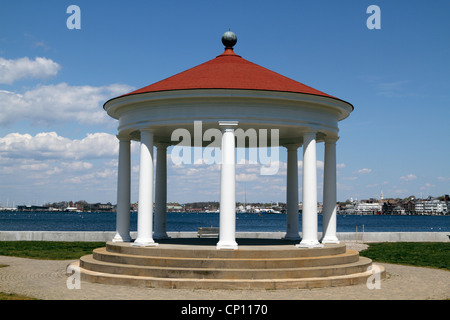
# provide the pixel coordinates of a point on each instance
(48, 250)
(419, 254)
(12, 296)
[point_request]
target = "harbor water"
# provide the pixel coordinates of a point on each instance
(178, 221)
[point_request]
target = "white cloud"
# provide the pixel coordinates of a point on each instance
(93, 177)
(246, 177)
(49, 145)
(400, 191)
(364, 170)
(409, 177)
(205, 180)
(427, 186)
(51, 167)
(23, 68)
(61, 103)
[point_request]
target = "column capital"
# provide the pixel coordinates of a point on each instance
(160, 145)
(146, 130)
(228, 124)
(292, 145)
(329, 139)
(310, 132)
(123, 138)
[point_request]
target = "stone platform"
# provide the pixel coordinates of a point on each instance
(197, 264)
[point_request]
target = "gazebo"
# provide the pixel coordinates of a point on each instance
(232, 99)
(228, 93)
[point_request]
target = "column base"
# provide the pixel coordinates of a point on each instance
(119, 238)
(292, 236)
(161, 236)
(330, 240)
(230, 245)
(309, 244)
(144, 243)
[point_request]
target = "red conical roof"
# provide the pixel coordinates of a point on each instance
(230, 71)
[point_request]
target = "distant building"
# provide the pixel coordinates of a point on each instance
(72, 209)
(29, 208)
(102, 207)
(398, 210)
(431, 206)
(174, 208)
(368, 208)
(393, 206)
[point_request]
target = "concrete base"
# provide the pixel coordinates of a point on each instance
(222, 245)
(144, 244)
(309, 244)
(330, 240)
(108, 235)
(294, 237)
(197, 264)
(118, 238)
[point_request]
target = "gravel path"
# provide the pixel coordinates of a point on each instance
(44, 279)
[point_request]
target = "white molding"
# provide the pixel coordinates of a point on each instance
(290, 112)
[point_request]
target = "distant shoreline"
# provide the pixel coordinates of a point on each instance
(108, 236)
(195, 212)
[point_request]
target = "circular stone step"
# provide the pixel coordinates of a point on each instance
(88, 262)
(206, 248)
(267, 284)
(102, 254)
(196, 263)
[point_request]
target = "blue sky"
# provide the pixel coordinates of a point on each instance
(57, 143)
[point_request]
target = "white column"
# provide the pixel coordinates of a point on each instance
(161, 192)
(292, 193)
(309, 215)
(329, 193)
(123, 192)
(145, 209)
(227, 230)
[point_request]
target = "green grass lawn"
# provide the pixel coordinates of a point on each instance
(419, 254)
(48, 250)
(12, 296)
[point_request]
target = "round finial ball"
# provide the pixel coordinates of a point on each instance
(229, 39)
